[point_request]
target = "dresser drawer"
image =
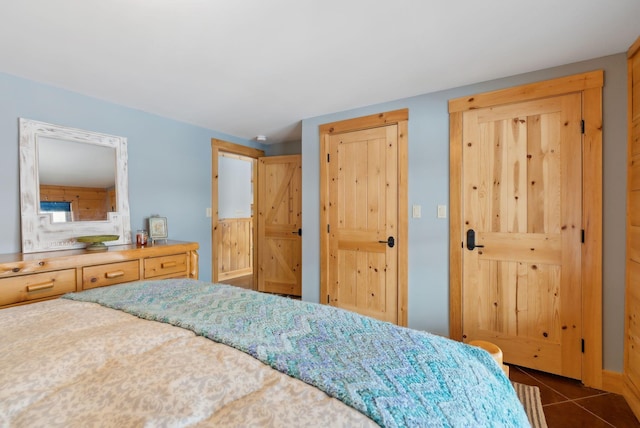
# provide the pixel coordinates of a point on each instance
(36, 286)
(110, 274)
(175, 264)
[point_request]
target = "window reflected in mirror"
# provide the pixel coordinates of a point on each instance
(60, 211)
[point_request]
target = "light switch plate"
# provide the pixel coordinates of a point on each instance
(417, 211)
(442, 211)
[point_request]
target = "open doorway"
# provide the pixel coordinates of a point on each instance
(234, 198)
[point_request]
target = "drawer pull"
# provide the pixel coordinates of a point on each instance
(168, 265)
(38, 287)
(115, 274)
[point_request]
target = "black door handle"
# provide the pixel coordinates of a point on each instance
(298, 232)
(471, 240)
(390, 242)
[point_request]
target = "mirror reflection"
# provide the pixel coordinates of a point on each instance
(77, 181)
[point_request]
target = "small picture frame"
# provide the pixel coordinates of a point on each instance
(158, 228)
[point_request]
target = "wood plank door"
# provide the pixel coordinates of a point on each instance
(363, 222)
(280, 224)
(522, 207)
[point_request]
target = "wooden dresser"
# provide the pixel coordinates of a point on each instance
(29, 278)
(631, 388)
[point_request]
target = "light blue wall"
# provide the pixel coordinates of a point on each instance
(429, 186)
(290, 148)
(169, 161)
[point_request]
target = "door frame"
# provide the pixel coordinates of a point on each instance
(590, 86)
(401, 119)
(218, 146)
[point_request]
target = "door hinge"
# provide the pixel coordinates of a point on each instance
(328, 229)
(582, 126)
(582, 236)
(583, 346)
(328, 157)
(328, 301)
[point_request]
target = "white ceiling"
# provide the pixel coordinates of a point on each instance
(250, 67)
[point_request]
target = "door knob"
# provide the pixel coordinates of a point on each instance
(390, 242)
(471, 240)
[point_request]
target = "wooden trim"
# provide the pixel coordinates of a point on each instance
(324, 217)
(215, 152)
(403, 222)
(630, 389)
(365, 122)
(532, 91)
(632, 396)
(257, 245)
(234, 156)
(397, 117)
(455, 226)
(635, 47)
(217, 147)
(590, 84)
(612, 382)
(238, 149)
(592, 248)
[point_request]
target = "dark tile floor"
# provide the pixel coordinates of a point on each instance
(568, 403)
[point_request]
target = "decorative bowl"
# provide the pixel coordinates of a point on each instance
(96, 242)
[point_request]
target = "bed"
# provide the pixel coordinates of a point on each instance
(184, 352)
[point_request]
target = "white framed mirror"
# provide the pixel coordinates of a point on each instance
(72, 183)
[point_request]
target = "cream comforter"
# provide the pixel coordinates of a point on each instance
(67, 363)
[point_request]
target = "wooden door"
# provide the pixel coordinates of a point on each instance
(522, 201)
(280, 224)
(363, 219)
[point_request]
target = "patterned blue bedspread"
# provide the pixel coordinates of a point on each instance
(396, 376)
